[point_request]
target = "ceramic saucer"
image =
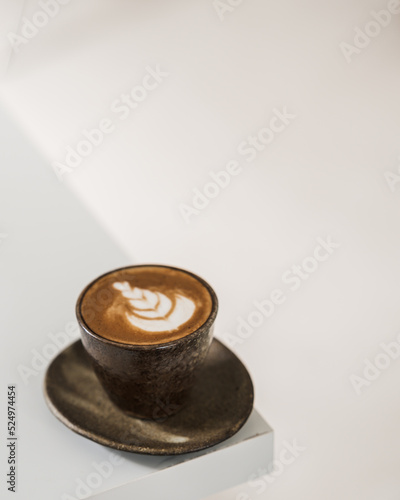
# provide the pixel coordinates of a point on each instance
(219, 405)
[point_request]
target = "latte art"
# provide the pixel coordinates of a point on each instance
(154, 311)
(144, 305)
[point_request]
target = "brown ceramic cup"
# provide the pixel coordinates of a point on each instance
(149, 381)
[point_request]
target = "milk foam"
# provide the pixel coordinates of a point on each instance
(153, 311)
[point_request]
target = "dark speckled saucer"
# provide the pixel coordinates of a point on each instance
(219, 405)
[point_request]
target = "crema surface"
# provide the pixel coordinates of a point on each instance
(146, 305)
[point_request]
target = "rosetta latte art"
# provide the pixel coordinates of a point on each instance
(154, 311)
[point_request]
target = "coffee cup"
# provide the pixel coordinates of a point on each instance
(147, 330)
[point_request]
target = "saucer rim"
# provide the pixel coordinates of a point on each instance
(144, 450)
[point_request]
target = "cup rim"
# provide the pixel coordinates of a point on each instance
(207, 324)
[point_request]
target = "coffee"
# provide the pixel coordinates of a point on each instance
(145, 305)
